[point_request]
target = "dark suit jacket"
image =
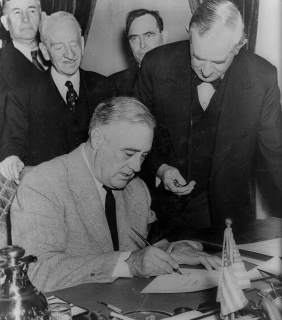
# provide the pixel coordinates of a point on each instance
(36, 127)
(15, 70)
(125, 80)
(250, 115)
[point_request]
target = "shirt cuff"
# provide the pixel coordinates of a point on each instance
(161, 243)
(158, 181)
(122, 269)
(193, 244)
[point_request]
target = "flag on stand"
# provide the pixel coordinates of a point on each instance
(233, 277)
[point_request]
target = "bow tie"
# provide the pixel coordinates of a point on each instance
(215, 83)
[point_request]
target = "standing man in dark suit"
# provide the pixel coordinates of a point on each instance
(145, 31)
(21, 18)
(49, 116)
(214, 103)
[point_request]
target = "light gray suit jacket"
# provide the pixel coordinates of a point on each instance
(57, 215)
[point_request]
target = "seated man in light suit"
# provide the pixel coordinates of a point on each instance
(145, 31)
(61, 209)
(49, 116)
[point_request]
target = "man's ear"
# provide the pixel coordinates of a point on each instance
(4, 21)
(238, 48)
(188, 31)
(43, 15)
(44, 51)
(165, 36)
(97, 139)
(82, 44)
(244, 42)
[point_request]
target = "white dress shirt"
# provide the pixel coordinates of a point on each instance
(60, 82)
(205, 93)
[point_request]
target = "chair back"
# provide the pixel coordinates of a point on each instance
(7, 192)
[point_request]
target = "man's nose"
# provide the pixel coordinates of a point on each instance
(25, 17)
(135, 163)
(207, 68)
(143, 43)
(69, 53)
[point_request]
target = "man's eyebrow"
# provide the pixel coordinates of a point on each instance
(30, 7)
(218, 61)
(132, 35)
(131, 149)
(137, 35)
(55, 43)
(134, 150)
(149, 32)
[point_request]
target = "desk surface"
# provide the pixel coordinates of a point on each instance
(125, 294)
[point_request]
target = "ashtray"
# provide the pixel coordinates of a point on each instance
(147, 315)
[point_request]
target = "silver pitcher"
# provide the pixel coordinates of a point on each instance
(19, 299)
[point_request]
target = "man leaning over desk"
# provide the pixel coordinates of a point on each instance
(218, 109)
(61, 212)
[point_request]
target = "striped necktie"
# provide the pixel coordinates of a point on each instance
(35, 61)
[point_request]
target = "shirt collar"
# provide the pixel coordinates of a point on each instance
(24, 50)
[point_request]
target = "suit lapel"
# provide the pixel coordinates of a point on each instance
(50, 104)
(235, 109)
(15, 66)
(130, 213)
(84, 86)
(89, 204)
(175, 92)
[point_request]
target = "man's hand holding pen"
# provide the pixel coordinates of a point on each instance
(173, 180)
(153, 261)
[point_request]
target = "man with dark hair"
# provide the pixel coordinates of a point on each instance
(49, 116)
(75, 212)
(145, 31)
(214, 103)
(20, 59)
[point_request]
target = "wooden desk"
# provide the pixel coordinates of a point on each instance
(125, 294)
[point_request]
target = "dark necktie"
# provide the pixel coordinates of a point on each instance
(71, 96)
(215, 83)
(35, 60)
(110, 209)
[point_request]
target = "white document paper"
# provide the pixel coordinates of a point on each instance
(273, 265)
(191, 280)
(271, 247)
